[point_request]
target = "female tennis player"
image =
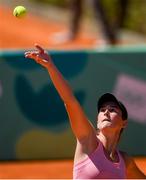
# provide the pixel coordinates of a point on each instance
(96, 155)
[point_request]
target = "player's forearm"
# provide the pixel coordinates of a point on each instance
(60, 83)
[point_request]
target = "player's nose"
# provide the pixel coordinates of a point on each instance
(106, 112)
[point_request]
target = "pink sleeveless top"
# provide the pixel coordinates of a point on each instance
(97, 166)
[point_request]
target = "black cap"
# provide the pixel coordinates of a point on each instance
(108, 97)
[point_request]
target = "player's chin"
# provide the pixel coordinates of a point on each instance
(105, 124)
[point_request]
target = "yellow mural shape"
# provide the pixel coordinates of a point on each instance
(42, 144)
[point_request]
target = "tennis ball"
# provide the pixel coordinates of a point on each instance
(19, 11)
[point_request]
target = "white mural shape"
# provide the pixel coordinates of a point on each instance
(132, 92)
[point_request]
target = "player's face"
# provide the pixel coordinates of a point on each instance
(110, 116)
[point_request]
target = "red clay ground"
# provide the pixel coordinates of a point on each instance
(57, 169)
(16, 33)
(22, 34)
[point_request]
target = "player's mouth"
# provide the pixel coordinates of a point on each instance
(108, 120)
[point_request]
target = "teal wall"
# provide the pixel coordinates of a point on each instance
(33, 120)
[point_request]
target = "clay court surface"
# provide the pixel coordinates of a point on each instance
(16, 33)
(56, 169)
(22, 34)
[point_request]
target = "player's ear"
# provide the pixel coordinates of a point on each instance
(125, 123)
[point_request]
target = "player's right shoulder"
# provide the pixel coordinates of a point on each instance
(83, 149)
(88, 144)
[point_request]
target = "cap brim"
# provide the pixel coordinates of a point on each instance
(107, 97)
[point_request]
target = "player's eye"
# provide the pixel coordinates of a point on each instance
(102, 109)
(112, 110)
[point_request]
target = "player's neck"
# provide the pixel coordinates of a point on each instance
(109, 141)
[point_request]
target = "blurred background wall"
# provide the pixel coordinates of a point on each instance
(34, 123)
(33, 120)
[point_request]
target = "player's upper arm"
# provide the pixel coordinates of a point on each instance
(132, 171)
(81, 126)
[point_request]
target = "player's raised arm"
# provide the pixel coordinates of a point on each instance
(81, 127)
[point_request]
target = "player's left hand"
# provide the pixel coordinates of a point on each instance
(39, 55)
